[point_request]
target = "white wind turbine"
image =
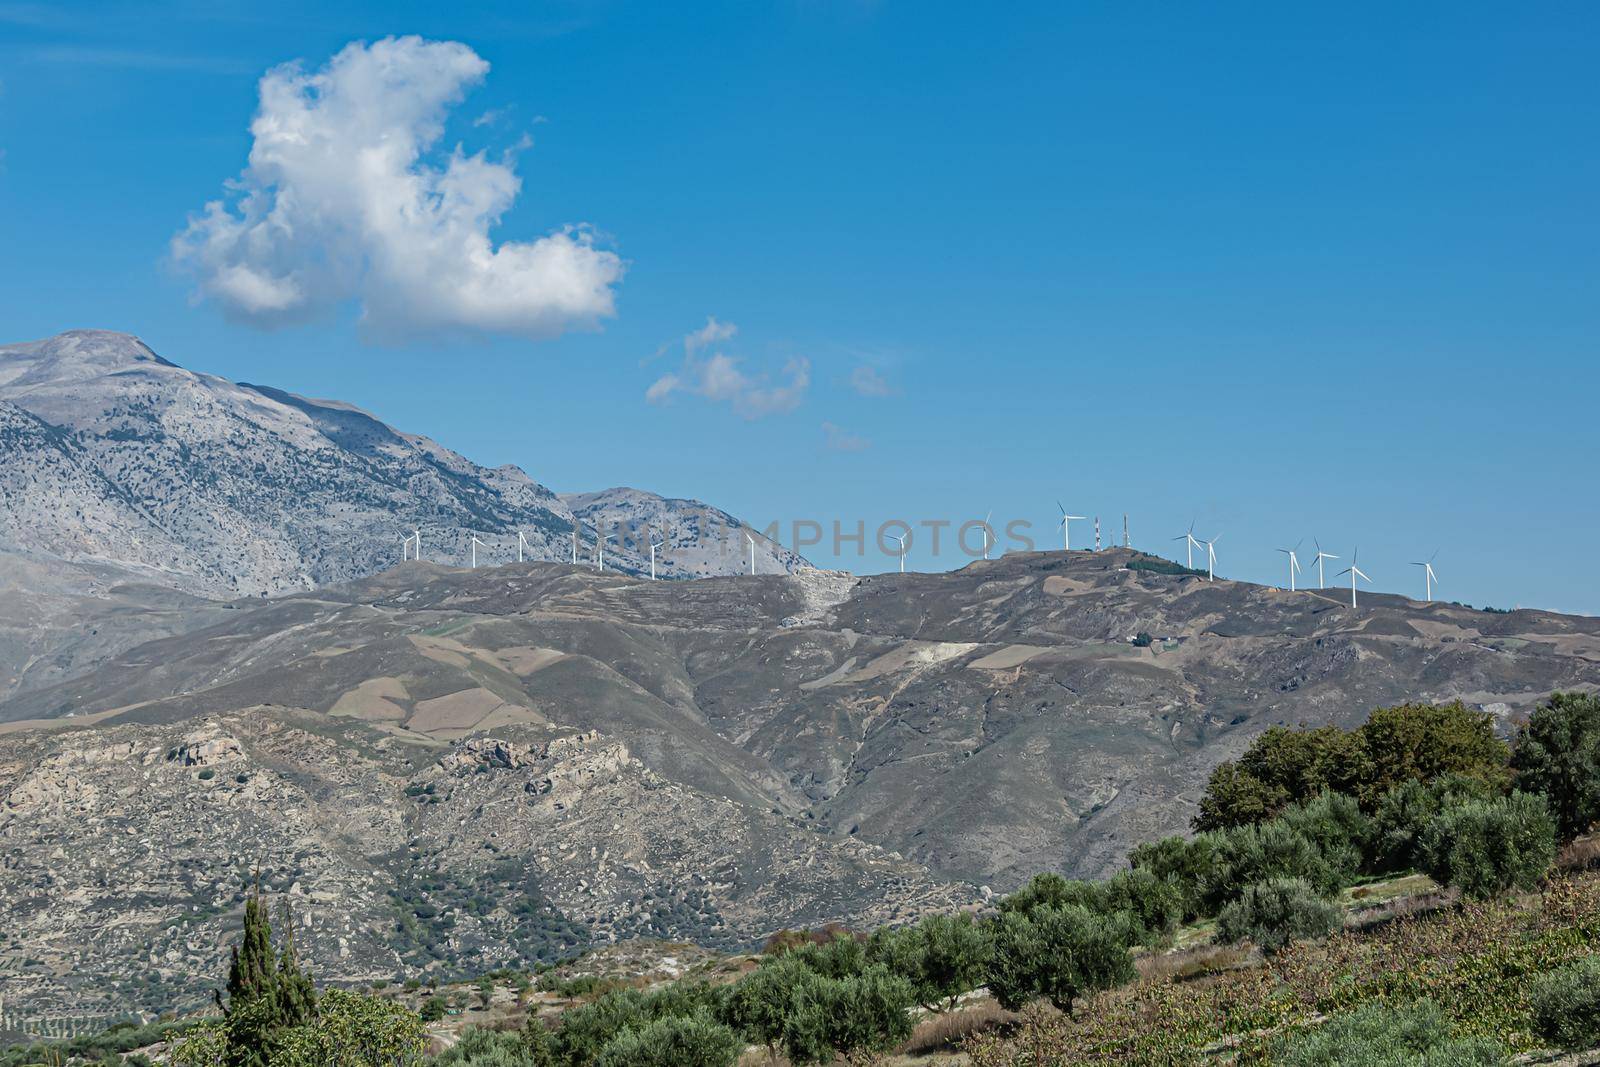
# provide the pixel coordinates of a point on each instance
(752, 541)
(474, 545)
(986, 532)
(405, 546)
(1354, 572)
(574, 544)
(522, 543)
(902, 539)
(1294, 563)
(1066, 522)
(1321, 555)
(1428, 577)
(600, 549)
(1190, 541)
(1211, 558)
(653, 546)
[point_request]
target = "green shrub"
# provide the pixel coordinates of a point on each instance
(1566, 1005)
(207, 774)
(674, 1041)
(1058, 953)
(1558, 755)
(1053, 891)
(812, 1018)
(1335, 824)
(1425, 741)
(1189, 863)
(1250, 854)
(1382, 1035)
(495, 1048)
(585, 1032)
(942, 957)
(1486, 847)
(840, 957)
(1394, 745)
(1275, 912)
(1153, 902)
(433, 1009)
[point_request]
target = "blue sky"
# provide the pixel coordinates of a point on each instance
(1320, 272)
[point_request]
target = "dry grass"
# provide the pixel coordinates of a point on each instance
(1195, 962)
(1581, 854)
(946, 1032)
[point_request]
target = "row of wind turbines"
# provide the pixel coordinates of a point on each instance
(1292, 561)
(411, 548)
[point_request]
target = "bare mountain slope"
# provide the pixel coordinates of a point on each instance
(113, 453)
(120, 467)
(741, 753)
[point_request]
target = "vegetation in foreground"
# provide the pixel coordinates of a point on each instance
(1304, 820)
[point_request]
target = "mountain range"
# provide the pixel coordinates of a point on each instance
(448, 769)
(120, 469)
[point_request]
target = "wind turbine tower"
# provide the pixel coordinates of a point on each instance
(1294, 564)
(986, 531)
(474, 545)
(653, 546)
(1066, 533)
(1211, 558)
(405, 547)
(1190, 541)
(1321, 555)
(752, 541)
(522, 543)
(1125, 542)
(902, 540)
(1428, 577)
(1097, 533)
(1354, 572)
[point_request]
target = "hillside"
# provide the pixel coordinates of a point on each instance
(706, 760)
(119, 467)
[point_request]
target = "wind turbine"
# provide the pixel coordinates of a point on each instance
(1066, 531)
(986, 532)
(405, 546)
(901, 538)
(653, 546)
(1211, 558)
(752, 541)
(522, 542)
(474, 545)
(1294, 563)
(1190, 541)
(1321, 555)
(600, 548)
(1428, 577)
(574, 544)
(1354, 572)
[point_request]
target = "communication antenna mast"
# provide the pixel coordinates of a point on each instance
(1097, 533)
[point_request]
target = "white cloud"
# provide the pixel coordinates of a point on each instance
(866, 381)
(339, 202)
(718, 377)
(838, 439)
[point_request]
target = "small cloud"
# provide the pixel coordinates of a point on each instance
(866, 381)
(346, 199)
(490, 117)
(838, 439)
(718, 377)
